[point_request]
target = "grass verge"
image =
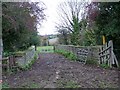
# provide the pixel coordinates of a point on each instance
(5, 85)
(30, 85)
(45, 49)
(67, 84)
(105, 66)
(29, 65)
(68, 55)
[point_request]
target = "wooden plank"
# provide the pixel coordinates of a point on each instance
(104, 55)
(115, 59)
(7, 63)
(5, 58)
(105, 60)
(111, 56)
(105, 50)
(99, 57)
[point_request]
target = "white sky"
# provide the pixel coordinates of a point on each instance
(48, 26)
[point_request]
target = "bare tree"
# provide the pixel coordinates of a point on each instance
(71, 13)
(63, 36)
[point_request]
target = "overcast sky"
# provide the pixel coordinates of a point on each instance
(48, 26)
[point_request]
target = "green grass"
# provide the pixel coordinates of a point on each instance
(30, 85)
(68, 84)
(45, 49)
(5, 85)
(71, 84)
(105, 66)
(29, 65)
(92, 61)
(68, 55)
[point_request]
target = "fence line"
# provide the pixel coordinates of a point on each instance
(19, 61)
(83, 53)
(104, 54)
(107, 55)
(26, 58)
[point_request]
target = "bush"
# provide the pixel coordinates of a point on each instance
(6, 54)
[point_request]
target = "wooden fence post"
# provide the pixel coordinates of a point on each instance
(111, 56)
(25, 59)
(89, 56)
(112, 52)
(106, 45)
(54, 48)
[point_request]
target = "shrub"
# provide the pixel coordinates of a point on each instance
(104, 66)
(6, 54)
(92, 61)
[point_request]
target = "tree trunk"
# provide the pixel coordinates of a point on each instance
(35, 47)
(1, 44)
(1, 48)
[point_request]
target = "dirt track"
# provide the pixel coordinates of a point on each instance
(54, 71)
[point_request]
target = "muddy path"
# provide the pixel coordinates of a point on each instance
(54, 71)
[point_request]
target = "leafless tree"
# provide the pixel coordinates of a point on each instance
(68, 11)
(71, 13)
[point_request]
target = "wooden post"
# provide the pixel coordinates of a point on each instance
(106, 46)
(1, 50)
(54, 47)
(103, 37)
(89, 54)
(115, 59)
(102, 58)
(25, 58)
(111, 55)
(1, 44)
(99, 56)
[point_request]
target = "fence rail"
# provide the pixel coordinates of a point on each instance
(18, 60)
(104, 54)
(107, 55)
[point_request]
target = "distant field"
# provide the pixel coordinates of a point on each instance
(45, 49)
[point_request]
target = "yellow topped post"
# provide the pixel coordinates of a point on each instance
(103, 39)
